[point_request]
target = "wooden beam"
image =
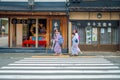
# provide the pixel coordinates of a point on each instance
(23, 14)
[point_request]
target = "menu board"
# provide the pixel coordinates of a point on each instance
(94, 34)
(88, 35)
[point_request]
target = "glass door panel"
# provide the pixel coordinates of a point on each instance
(105, 36)
(42, 33)
(29, 34)
(4, 32)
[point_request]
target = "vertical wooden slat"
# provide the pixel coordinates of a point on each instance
(50, 30)
(65, 32)
(99, 38)
(9, 32)
(63, 28)
(36, 33)
(69, 36)
(47, 34)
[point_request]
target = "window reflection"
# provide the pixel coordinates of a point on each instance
(30, 34)
(4, 32)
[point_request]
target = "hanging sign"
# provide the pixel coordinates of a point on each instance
(23, 21)
(96, 23)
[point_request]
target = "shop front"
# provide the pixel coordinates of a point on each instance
(33, 27)
(96, 34)
(97, 23)
(36, 32)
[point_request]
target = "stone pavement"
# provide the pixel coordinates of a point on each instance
(85, 54)
(46, 66)
(60, 69)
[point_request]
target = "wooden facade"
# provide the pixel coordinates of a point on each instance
(66, 13)
(65, 29)
(97, 11)
(15, 35)
(92, 16)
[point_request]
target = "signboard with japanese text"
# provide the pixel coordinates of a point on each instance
(23, 21)
(96, 23)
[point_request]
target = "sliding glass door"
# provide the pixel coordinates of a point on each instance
(4, 25)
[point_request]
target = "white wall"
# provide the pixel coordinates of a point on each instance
(19, 34)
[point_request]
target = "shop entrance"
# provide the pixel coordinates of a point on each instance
(97, 35)
(37, 32)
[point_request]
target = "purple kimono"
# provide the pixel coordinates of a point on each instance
(57, 47)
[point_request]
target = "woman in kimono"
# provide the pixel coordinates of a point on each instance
(78, 38)
(57, 46)
(74, 45)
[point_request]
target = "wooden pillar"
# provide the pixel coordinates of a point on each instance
(48, 38)
(10, 32)
(9, 21)
(119, 33)
(36, 33)
(69, 36)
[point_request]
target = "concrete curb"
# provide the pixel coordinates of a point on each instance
(67, 56)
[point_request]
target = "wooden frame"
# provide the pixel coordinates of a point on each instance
(63, 28)
(42, 15)
(98, 46)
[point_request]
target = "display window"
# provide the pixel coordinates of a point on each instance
(4, 32)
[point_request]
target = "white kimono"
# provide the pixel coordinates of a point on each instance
(77, 36)
(74, 46)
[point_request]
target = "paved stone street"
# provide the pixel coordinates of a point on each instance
(39, 67)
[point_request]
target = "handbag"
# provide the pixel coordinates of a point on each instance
(76, 40)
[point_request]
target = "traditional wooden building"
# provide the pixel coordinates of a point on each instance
(97, 22)
(32, 25)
